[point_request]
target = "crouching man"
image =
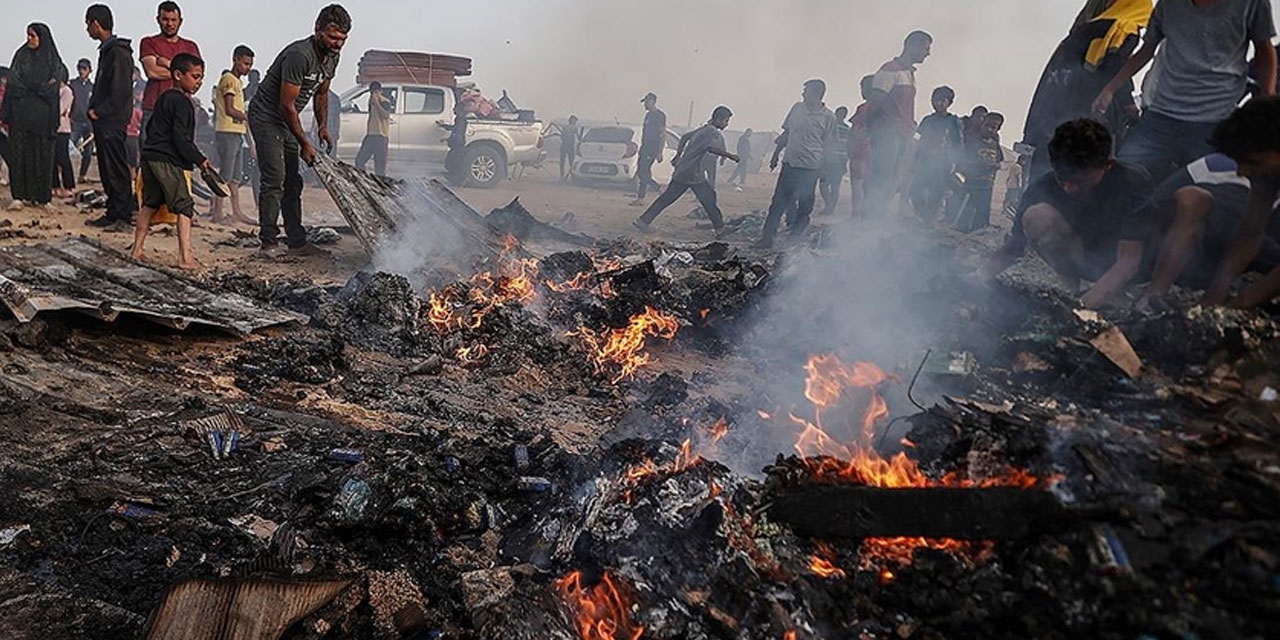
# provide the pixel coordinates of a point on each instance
(1251, 137)
(1089, 219)
(1202, 208)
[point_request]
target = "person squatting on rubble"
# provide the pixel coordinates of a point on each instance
(31, 109)
(230, 123)
(979, 164)
(570, 137)
(155, 52)
(653, 138)
(808, 133)
(1201, 207)
(1088, 219)
(892, 121)
(1082, 64)
(836, 164)
(168, 154)
(302, 70)
(860, 147)
(1251, 137)
(377, 137)
(938, 149)
(110, 107)
(1203, 73)
(690, 172)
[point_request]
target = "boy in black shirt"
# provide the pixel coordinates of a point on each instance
(979, 165)
(940, 144)
(1088, 219)
(168, 153)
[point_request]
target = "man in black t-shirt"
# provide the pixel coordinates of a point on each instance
(1089, 219)
(302, 70)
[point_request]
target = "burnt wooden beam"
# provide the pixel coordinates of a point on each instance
(855, 511)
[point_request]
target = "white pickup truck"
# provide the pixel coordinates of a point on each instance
(420, 132)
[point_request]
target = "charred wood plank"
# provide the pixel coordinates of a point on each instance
(855, 511)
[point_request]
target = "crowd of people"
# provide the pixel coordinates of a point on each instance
(1181, 188)
(944, 166)
(1184, 189)
(141, 122)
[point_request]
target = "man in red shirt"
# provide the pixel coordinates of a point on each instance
(891, 121)
(156, 52)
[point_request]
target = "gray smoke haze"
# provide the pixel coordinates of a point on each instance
(597, 57)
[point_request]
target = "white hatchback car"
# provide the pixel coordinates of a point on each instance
(611, 153)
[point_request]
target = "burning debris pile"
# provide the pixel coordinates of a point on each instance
(581, 446)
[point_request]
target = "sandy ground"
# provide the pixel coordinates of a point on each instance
(600, 211)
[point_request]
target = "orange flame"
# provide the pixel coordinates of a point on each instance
(790, 635)
(827, 385)
(624, 347)
(823, 568)
(600, 612)
(472, 354)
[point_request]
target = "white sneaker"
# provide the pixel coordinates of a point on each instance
(16, 205)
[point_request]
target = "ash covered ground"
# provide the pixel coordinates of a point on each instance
(481, 465)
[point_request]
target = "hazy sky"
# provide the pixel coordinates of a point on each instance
(596, 58)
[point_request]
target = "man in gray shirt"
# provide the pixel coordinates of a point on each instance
(1203, 73)
(302, 70)
(696, 148)
(808, 135)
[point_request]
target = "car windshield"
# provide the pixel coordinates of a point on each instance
(609, 134)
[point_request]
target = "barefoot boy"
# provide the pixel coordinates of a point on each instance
(168, 153)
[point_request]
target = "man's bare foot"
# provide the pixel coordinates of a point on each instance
(138, 256)
(220, 219)
(191, 265)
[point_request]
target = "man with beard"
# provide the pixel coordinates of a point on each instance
(302, 70)
(155, 52)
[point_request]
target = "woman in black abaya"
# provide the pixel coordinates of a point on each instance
(31, 110)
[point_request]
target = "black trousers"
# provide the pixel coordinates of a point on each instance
(644, 174)
(373, 147)
(80, 131)
(705, 193)
(281, 191)
(62, 162)
(795, 188)
(113, 168)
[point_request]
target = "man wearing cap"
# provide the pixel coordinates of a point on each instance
(81, 126)
(652, 140)
(696, 148)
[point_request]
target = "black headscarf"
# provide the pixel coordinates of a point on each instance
(35, 73)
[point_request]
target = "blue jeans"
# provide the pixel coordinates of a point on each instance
(1161, 145)
(795, 188)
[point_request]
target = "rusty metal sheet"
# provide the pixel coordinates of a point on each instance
(79, 274)
(232, 609)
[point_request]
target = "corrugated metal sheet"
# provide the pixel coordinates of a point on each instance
(238, 609)
(78, 274)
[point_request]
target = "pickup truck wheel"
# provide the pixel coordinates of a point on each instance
(485, 166)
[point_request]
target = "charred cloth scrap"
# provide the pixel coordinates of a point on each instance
(79, 274)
